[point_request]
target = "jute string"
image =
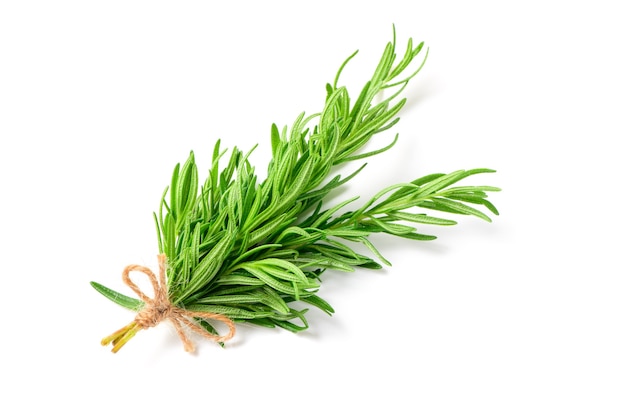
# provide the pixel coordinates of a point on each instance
(160, 308)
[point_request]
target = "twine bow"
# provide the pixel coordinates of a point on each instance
(160, 308)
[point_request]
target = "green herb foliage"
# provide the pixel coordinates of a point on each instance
(249, 249)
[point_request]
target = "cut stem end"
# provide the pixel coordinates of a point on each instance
(119, 338)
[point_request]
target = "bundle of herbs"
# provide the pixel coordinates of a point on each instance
(237, 249)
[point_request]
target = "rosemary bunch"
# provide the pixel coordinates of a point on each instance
(247, 249)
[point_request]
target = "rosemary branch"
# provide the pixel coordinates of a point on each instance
(248, 249)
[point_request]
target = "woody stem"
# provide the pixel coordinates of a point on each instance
(121, 336)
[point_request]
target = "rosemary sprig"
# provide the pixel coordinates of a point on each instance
(248, 249)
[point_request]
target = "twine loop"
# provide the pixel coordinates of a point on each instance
(160, 308)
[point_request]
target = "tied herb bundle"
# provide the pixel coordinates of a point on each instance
(236, 249)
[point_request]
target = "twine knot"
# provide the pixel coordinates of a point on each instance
(160, 308)
(153, 314)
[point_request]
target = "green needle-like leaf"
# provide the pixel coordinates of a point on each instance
(116, 297)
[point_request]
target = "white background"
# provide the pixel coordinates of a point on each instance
(524, 316)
